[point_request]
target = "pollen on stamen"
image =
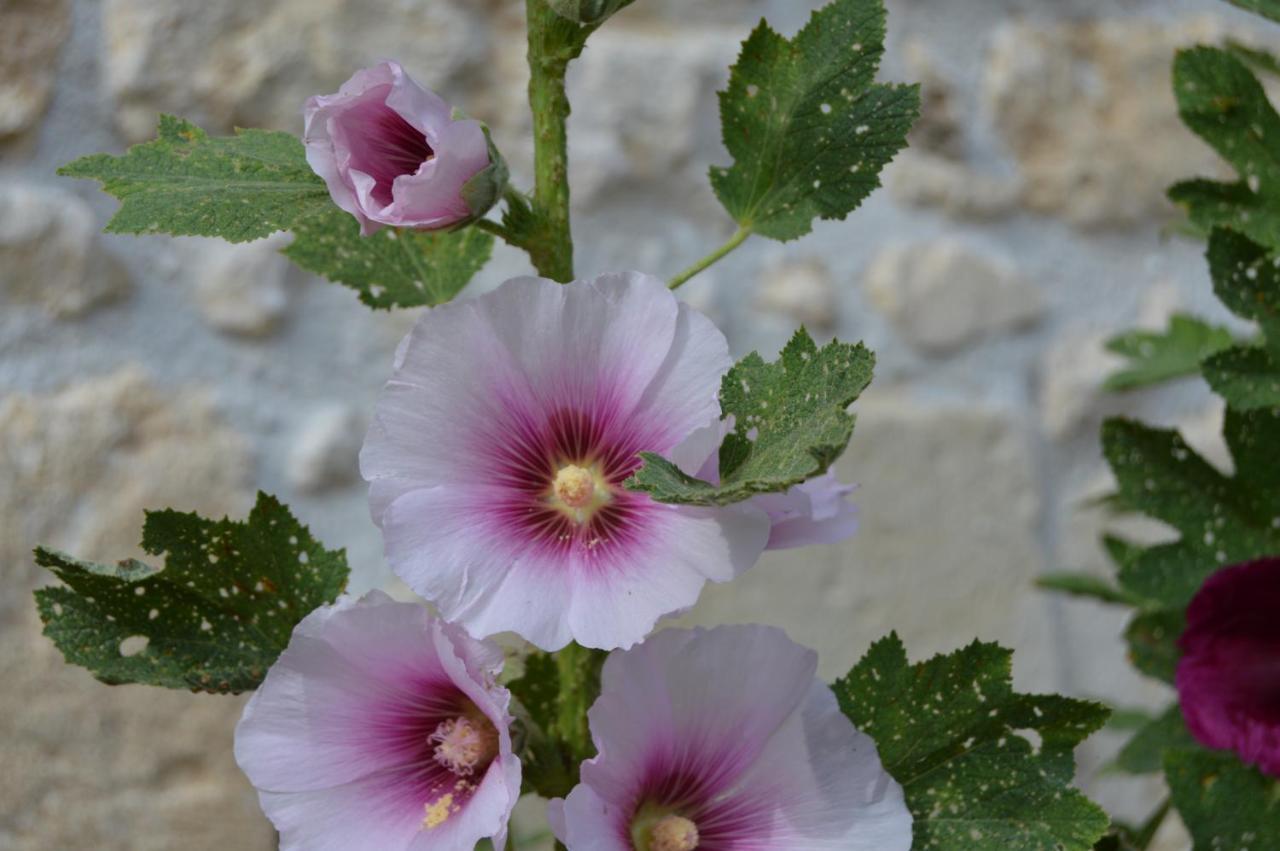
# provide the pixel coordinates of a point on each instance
(462, 744)
(574, 486)
(673, 833)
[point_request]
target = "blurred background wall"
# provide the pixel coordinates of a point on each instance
(1023, 227)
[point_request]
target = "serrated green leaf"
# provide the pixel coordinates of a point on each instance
(1088, 586)
(1222, 519)
(1247, 280)
(1158, 356)
(1246, 377)
(808, 128)
(790, 424)
(1222, 101)
(394, 267)
(1266, 8)
(214, 618)
(1224, 803)
(1144, 753)
(1255, 57)
(187, 183)
(1153, 642)
(983, 768)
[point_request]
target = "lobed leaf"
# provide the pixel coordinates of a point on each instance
(214, 618)
(187, 183)
(1158, 356)
(1224, 803)
(392, 268)
(983, 767)
(790, 424)
(1221, 100)
(808, 128)
(1247, 280)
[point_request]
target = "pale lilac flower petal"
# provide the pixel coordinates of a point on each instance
(492, 400)
(343, 740)
(391, 152)
(729, 729)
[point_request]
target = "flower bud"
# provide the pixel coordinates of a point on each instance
(394, 153)
(587, 11)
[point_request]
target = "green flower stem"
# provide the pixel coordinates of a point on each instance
(497, 230)
(553, 43)
(734, 241)
(578, 670)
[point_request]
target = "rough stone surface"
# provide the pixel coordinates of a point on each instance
(325, 452)
(800, 290)
(89, 766)
(241, 289)
(31, 37)
(956, 188)
(50, 255)
(1087, 109)
(225, 62)
(942, 295)
(932, 550)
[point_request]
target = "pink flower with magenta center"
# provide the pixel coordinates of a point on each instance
(724, 740)
(500, 446)
(380, 728)
(392, 153)
(1229, 674)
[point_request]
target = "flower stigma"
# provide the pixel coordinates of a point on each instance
(578, 491)
(464, 744)
(673, 833)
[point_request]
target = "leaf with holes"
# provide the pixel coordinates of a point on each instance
(790, 423)
(187, 183)
(983, 767)
(1158, 356)
(1224, 803)
(808, 128)
(1222, 101)
(392, 268)
(1245, 277)
(213, 618)
(1222, 519)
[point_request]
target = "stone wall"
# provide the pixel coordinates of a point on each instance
(1025, 225)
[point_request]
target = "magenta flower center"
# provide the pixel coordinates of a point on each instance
(383, 144)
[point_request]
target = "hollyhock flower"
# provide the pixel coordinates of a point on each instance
(1229, 675)
(814, 512)
(380, 728)
(724, 739)
(392, 153)
(499, 447)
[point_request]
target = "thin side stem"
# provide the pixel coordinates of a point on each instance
(553, 43)
(734, 241)
(497, 230)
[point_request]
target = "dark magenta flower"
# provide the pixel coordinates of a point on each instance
(1229, 676)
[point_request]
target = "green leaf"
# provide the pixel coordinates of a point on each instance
(1222, 519)
(1158, 356)
(1089, 587)
(1222, 101)
(187, 183)
(1266, 8)
(554, 693)
(1144, 753)
(808, 128)
(214, 618)
(1245, 277)
(394, 267)
(1224, 803)
(983, 768)
(790, 424)
(1153, 642)
(1258, 59)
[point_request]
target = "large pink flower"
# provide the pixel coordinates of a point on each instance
(1229, 675)
(391, 152)
(499, 447)
(725, 740)
(380, 728)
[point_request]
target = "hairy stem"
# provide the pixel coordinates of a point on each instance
(734, 241)
(553, 43)
(497, 230)
(578, 668)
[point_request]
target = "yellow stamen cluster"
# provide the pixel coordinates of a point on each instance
(673, 833)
